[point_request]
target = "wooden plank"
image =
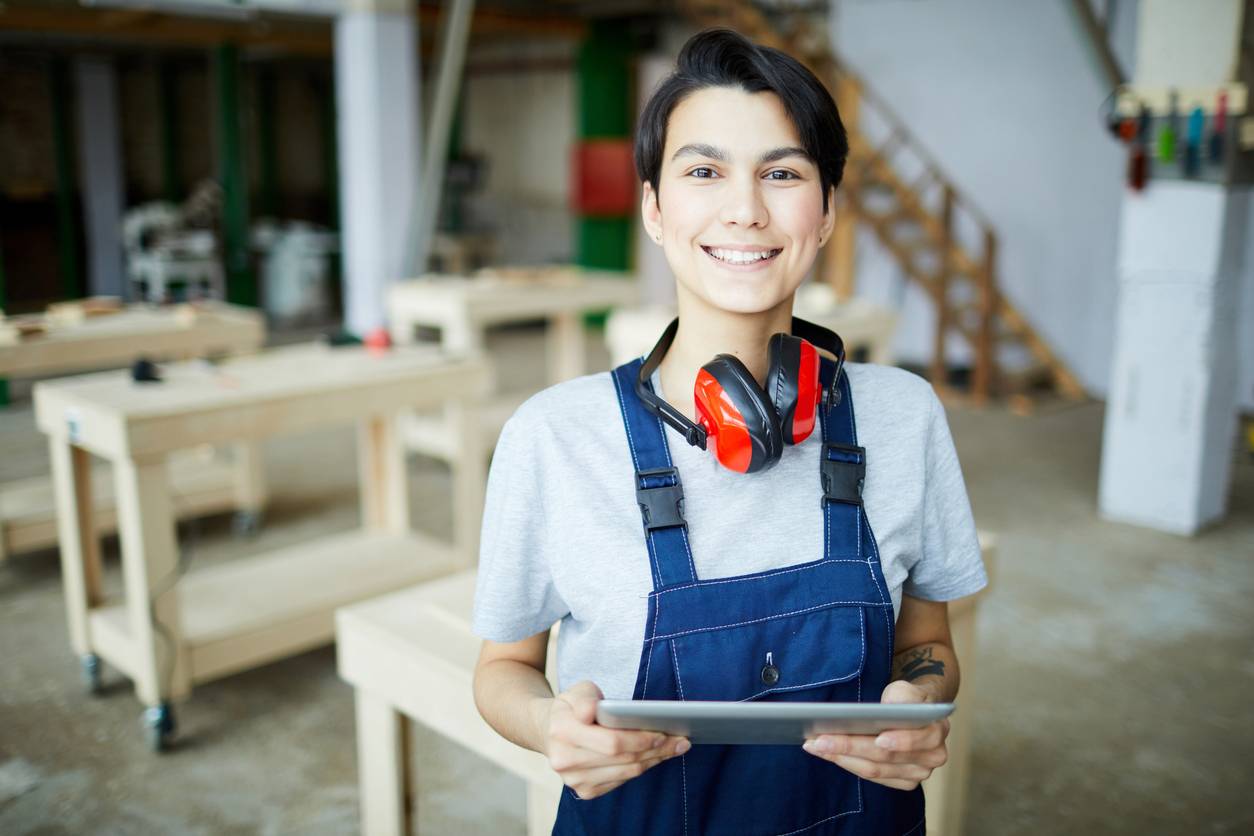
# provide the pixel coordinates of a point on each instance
(150, 560)
(279, 391)
(252, 611)
(118, 339)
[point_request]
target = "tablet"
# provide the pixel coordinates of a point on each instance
(765, 722)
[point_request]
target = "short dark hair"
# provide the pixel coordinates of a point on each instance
(724, 58)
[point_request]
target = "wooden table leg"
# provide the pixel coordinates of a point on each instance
(382, 767)
(76, 533)
(565, 346)
(150, 561)
(249, 477)
(469, 477)
(382, 475)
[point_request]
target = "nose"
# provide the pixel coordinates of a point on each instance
(743, 204)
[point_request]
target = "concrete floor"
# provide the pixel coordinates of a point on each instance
(1111, 694)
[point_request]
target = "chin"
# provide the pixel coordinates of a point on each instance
(745, 300)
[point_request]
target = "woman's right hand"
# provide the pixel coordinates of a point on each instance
(592, 759)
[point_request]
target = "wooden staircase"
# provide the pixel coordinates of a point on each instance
(937, 235)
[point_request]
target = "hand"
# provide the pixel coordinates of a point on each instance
(592, 759)
(897, 758)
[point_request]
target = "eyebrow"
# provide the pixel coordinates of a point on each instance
(701, 149)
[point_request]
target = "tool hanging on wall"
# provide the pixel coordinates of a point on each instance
(1138, 157)
(1193, 143)
(1167, 134)
(1216, 144)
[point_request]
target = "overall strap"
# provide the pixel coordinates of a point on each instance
(658, 489)
(842, 469)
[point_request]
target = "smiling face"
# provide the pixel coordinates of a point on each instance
(739, 206)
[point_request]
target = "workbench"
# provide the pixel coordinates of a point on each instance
(173, 631)
(464, 308)
(203, 484)
(410, 655)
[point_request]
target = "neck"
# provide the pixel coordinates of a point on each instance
(705, 331)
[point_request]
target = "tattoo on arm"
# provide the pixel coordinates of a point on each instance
(918, 663)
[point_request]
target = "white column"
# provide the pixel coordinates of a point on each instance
(376, 83)
(1171, 413)
(100, 166)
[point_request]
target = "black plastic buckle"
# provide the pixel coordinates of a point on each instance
(661, 506)
(843, 475)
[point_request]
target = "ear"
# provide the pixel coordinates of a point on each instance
(829, 217)
(650, 212)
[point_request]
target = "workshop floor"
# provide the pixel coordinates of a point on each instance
(1112, 692)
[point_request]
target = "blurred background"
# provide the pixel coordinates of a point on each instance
(274, 272)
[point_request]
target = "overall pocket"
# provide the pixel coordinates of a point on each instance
(752, 789)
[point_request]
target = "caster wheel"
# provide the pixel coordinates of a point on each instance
(159, 726)
(91, 672)
(246, 523)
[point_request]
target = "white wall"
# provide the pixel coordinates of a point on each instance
(1006, 97)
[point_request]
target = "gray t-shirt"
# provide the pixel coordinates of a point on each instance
(562, 536)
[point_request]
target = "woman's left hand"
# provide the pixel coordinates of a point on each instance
(897, 758)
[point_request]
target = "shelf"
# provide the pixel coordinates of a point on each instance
(199, 485)
(428, 432)
(255, 610)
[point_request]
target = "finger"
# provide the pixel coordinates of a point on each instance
(605, 741)
(906, 740)
(605, 778)
(881, 772)
(569, 757)
(858, 745)
(583, 698)
(900, 691)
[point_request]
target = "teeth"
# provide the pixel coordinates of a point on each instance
(739, 256)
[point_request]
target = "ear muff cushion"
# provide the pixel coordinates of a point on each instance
(781, 380)
(759, 413)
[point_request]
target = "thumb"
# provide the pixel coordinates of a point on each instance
(900, 691)
(583, 698)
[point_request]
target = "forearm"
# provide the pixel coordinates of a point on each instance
(513, 697)
(931, 666)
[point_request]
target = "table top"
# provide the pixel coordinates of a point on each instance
(119, 338)
(276, 391)
(436, 297)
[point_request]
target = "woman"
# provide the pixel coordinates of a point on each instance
(798, 565)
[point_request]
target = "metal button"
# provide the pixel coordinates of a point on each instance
(770, 673)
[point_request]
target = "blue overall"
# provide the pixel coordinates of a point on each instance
(817, 631)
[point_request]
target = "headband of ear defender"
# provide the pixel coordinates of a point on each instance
(751, 424)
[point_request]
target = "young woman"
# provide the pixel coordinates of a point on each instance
(812, 551)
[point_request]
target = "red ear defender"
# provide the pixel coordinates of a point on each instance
(750, 424)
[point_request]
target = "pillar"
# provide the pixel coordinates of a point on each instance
(100, 164)
(377, 95)
(1171, 412)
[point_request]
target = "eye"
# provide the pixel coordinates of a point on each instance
(781, 174)
(703, 173)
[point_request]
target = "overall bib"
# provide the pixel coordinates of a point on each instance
(817, 631)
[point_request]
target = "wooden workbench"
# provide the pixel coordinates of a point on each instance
(464, 308)
(201, 484)
(172, 632)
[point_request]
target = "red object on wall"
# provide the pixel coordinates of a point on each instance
(603, 181)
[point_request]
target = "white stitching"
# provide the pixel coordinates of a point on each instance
(764, 618)
(857, 672)
(675, 663)
(747, 579)
(823, 821)
(683, 759)
(651, 644)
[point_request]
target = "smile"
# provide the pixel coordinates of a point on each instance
(740, 257)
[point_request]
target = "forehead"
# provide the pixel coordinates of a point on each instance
(745, 124)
